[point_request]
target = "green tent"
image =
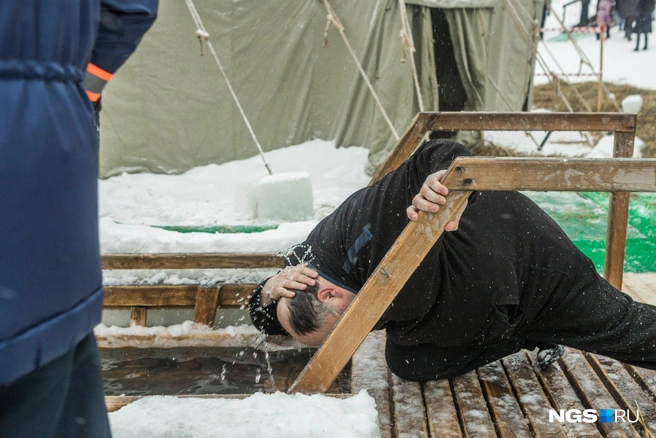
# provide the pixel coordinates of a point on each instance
(168, 109)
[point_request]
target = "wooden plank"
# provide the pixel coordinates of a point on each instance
(562, 396)
(406, 144)
(377, 294)
(624, 389)
(593, 393)
(191, 261)
(441, 410)
(644, 377)
(531, 396)
(643, 285)
(557, 174)
(521, 121)
(474, 414)
(506, 413)
(618, 218)
(207, 300)
(211, 339)
(369, 372)
(232, 295)
(633, 286)
(138, 316)
(409, 410)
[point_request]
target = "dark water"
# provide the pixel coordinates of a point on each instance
(226, 370)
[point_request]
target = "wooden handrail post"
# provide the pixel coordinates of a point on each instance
(207, 300)
(138, 316)
(618, 218)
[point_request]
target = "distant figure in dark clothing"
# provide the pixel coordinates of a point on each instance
(643, 22)
(585, 5)
(629, 10)
(505, 277)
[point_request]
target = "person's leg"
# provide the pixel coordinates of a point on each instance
(645, 48)
(598, 318)
(85, 413)
(637, 47)
(424, 362)
(62, 399)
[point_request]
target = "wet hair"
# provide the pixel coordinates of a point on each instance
(306, 311)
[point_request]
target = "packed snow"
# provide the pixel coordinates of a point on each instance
(260, 415)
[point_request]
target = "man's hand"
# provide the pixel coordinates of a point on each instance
(430, 197)
(292, 277)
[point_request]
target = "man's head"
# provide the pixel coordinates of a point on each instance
(311, 315)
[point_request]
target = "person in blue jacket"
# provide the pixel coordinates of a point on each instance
(55, 57)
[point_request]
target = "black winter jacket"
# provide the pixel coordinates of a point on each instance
(476, 286)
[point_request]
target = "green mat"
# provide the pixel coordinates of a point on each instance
(223, 229)
(562, 37)
(583, 216)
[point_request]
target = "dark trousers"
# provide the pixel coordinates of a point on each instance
(62, 399)
(594, 317)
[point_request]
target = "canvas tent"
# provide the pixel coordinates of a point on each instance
(168, 109)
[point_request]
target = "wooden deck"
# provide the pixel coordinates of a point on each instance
(511, 397)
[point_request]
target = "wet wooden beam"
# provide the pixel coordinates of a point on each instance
(232, 295)
(618, 217)
(207, 300)
(562, 396)
(406, 145)
(555, 174)
(377, 294)
(593, 393)
(624, 389)
(409, 410)
(441, 410)
(531, 396)
(524, 121)
(138, 316)
(191, 261)
(505, 410)
(369, 372)
(473, 407)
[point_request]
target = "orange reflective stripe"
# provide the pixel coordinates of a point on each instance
(99, 72)
(93, 97)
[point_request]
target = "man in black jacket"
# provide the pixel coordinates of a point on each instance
(505, 277)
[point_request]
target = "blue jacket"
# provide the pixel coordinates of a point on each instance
(50, 276)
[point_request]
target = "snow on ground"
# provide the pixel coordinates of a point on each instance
(222, 195)
(621, 64)
(566, 144)
(260, 415)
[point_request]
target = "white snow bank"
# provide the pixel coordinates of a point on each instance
(565, 143)
(186, 328)
(222, 195)
(260, 415)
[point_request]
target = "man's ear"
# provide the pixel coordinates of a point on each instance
(326, 293)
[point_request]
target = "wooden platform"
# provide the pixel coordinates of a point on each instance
(512, 398)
